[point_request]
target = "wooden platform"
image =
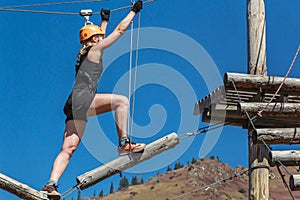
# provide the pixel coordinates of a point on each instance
(252, 89)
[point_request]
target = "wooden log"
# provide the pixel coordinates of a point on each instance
(256, 37)
(127, 161)
(242, 120)
(277, 135)
(273, 109)
(259, 173)
(19, 189)
(287, 158)
(258, 154)
(252, 82)
(295, 182)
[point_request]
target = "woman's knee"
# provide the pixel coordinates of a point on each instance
(69, 148)
(122, 101)
(71, 143)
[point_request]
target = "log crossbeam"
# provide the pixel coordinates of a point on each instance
(19, 189)
(271, 109)
(127, 161)
(277, 135)
(287, 158)
(295, 182)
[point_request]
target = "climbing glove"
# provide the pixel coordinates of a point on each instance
(137, 6)
(105, 14)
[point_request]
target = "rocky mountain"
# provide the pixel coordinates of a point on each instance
(205, 179)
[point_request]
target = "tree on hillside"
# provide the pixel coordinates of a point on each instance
(111, 190)
(194, 160)
(101, 194)
(188, 164)
(134, 181)
(169, 169)
(178, 165)
(124, 183)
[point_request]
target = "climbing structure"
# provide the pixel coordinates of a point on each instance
(268, 106)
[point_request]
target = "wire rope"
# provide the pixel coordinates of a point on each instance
(51, 4)
(259, 113)
(129, 124)
(10, 9)
(285, 183)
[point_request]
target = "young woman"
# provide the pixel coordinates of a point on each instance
(84, 102)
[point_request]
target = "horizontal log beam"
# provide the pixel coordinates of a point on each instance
(287, 158)
(232, 117)
(273, 109)
(277, 135)
(251, 82)
(295, 182)
(127, 161)
(19, 189)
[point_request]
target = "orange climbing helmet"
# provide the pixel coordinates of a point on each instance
(88, 31)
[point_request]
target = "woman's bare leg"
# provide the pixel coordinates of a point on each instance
(107, 102)
(103, 103)
(72, 136)
(75, 128)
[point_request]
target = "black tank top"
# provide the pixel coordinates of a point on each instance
(87, 74)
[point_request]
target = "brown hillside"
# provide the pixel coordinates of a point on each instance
(202, 180)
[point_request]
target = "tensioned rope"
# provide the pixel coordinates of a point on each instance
(51, 4)
(135, 76)
(259, 113)
(285, 183)
(129, 125)
(6, 9)
(202, 130)
(130, 89)
(240, 100)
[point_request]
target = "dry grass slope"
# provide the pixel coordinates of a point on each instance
(196, 177)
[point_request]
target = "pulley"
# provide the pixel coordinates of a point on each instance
(86, 13)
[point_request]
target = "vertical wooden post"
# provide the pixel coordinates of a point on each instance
(256, 37)
(258, 154)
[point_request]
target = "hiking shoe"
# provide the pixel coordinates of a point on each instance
(131, 147)
(51, 192)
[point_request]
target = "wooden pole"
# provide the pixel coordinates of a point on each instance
(19, 189)
(256, 38)
(278, 135)
(258, 154)
(124, 162)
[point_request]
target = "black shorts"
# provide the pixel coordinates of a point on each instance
(77, 105)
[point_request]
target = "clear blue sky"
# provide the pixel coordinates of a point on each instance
(38, 54)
